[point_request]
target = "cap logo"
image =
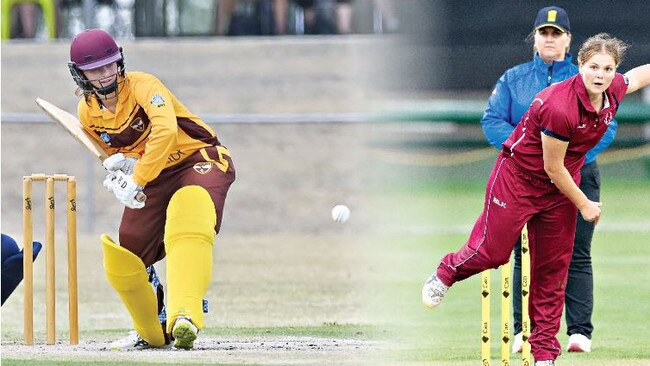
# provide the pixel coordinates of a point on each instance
(551, 16)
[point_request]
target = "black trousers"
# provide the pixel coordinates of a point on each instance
(579, 297)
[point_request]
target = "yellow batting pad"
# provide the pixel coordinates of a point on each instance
(189, 235)
(128, 276)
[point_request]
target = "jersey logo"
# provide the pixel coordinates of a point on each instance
(584, 125)
(157, 100)
(203, 167)
(498, 202)
(105, 137)
(608, 118)
(138, 125)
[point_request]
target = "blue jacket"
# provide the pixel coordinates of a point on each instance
(517, 88)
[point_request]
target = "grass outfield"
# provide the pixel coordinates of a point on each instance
(441, 208)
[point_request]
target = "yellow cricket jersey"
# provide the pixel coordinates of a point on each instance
(149, 124)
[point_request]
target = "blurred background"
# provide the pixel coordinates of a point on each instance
(390, 85)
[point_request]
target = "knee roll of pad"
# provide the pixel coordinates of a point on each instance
(190, 214)
(124, 269)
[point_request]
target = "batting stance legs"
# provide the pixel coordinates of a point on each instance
(512, 199)
(180, 220)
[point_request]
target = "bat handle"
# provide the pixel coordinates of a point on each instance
(140, 197)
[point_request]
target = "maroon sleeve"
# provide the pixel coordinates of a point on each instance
(554, 121)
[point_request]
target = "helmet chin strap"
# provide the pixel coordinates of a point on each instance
(107, 89)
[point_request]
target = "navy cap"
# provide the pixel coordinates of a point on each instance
(553, 16)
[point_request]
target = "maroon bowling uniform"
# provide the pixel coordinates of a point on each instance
(519, 191)
(563, 111)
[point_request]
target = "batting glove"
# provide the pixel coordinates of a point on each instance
(117, 162)
(126, 190)
(108, 182)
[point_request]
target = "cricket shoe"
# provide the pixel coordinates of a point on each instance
(545, 363)
(433, 291)
(133, 341)
(517, 343)
(184, 333)
(578, 343)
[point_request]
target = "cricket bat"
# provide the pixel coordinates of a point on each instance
(72, 125)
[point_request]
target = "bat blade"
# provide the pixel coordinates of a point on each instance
(71, 124)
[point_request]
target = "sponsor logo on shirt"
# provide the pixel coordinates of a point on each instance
(105, 137)
(498, 202)
(203, 167)
(138, 125)
(157, 100)
(175, 156)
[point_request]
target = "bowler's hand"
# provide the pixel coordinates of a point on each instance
(117, 162)
(125, 189)
(590, 211)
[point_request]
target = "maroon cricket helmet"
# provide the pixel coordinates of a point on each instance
(91, 49)
(94, 48)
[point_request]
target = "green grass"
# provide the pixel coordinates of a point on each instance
(436, 211)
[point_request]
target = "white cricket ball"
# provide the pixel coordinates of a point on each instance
(340, 213)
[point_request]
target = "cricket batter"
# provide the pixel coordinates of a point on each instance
(157, 147)
(535, 180)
